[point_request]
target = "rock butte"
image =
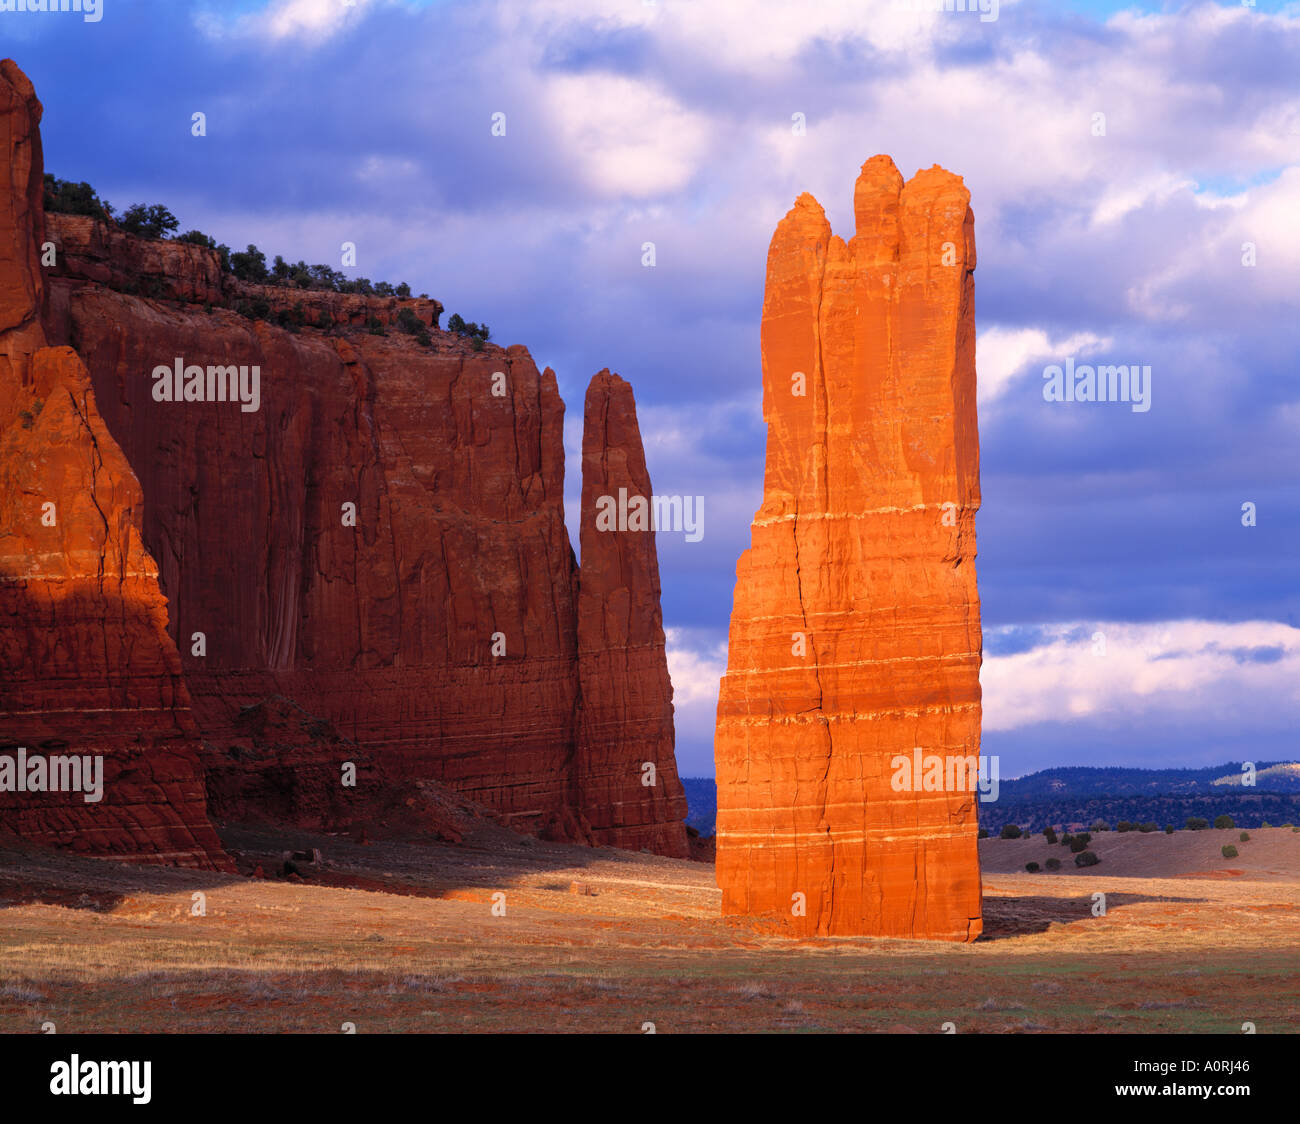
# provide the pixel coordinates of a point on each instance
(325, 643)
(855, 630)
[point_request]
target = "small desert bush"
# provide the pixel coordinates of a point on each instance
(1244, 837)
(1053, 864)
(1032, 868)
(754, 990)
(1228, 851)
(1086, 858)
(1011, 831)
(1195, 823)
(1223, 822)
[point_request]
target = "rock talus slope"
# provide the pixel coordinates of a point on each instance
(855, 632)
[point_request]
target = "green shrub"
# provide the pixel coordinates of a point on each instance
(1124, 825)
(374, 327)
(1049, 834)
(1065, 839)
(1053, 864)
(1244, 837)
(1169, 829)
(1195, 823)
(1228, 851)
(63, 197)
(197, 238)
(1078, 844)
(250, 265)
(409, 323)
(984, 833)
(1086, 858)
(1032, 868)
(1224, 821)
(148, 221)
(1147, 828)
(1010, 831)
(1100, 825)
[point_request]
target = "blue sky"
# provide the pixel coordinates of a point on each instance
(671, 122)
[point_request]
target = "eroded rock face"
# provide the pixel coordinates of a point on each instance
(855, 632)
(630, 793)
(87, 670)
(91, 251)
(372, 565)
(432, 622)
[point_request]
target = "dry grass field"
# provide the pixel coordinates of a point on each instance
(402, 937)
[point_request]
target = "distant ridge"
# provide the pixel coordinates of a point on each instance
(1084, 780)
(1084, 793)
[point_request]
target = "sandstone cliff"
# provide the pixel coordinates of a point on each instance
(87, 668)
(855, 632)
(376, 554)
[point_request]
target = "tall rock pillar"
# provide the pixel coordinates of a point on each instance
(629, 791)
(855, 631)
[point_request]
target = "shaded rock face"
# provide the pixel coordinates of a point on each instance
(626, 695)
(87, 669)
(378, 550)
(855, 632)
(432, 622)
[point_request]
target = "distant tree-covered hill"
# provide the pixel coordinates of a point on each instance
(1083, 794)
(702, 802)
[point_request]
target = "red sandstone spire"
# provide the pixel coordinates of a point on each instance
(626, 716)
(855, 634)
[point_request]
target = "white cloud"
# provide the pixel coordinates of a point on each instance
(624, 136)
(1003, 353)
(696, 667)
(1189, 670)
(312, 20)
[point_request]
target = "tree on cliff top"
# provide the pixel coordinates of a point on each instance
(250, 265)
(148, 221)
(63, 197)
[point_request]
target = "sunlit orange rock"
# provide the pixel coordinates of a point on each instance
(855, 631)
(87, 669)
